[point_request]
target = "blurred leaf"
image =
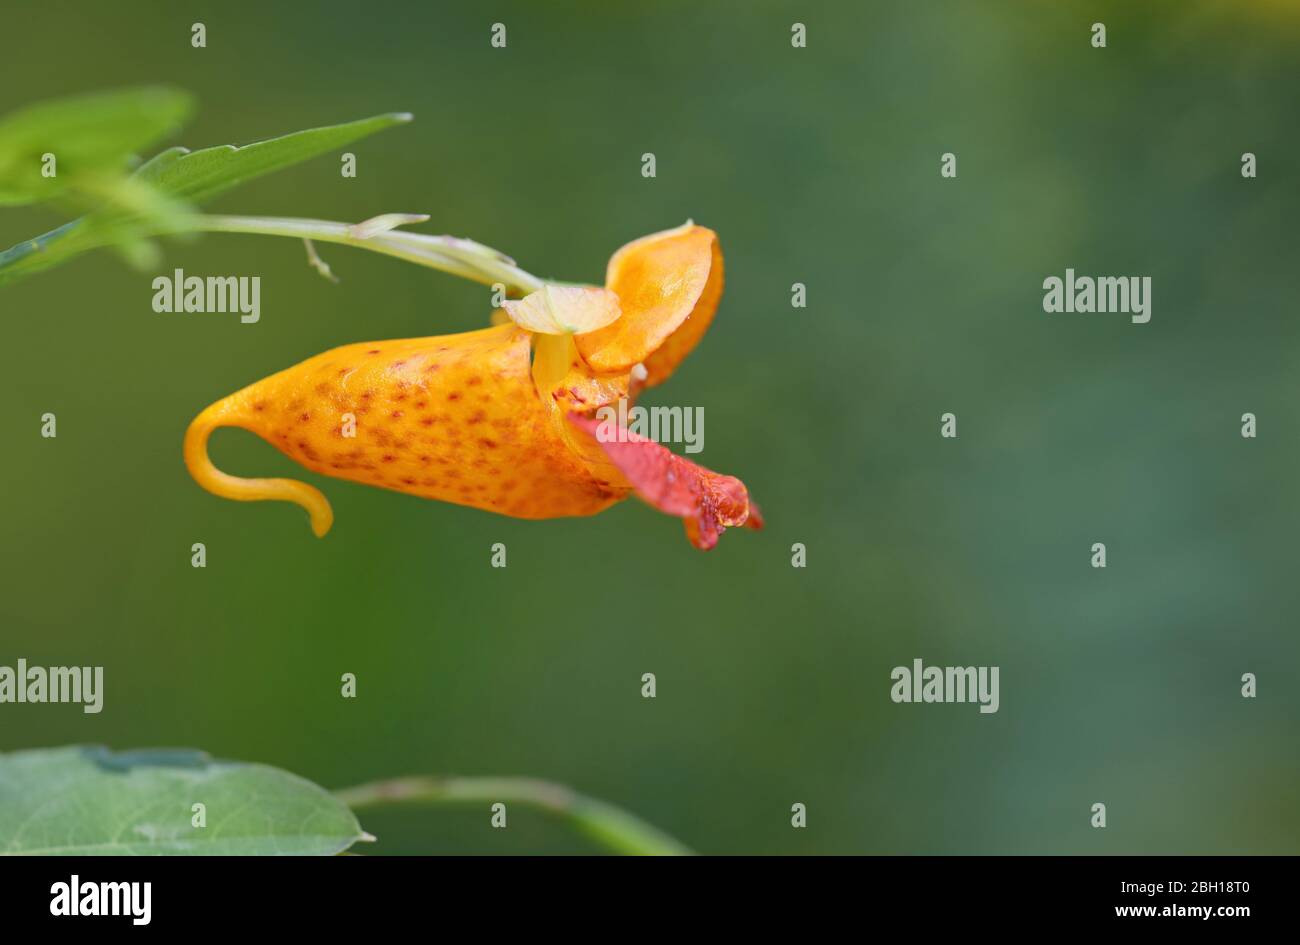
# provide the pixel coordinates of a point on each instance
(87, 134)
(91, 801)
(178, 174)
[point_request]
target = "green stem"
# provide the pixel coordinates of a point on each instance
(459, 257)
(610, 826)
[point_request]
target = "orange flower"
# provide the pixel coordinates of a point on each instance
(502, 419)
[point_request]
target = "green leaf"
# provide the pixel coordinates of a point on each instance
(197, 175)
(178, 174)
(91, 801)
(88, 135)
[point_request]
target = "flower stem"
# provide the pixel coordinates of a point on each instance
(608, 825)
(459, 257)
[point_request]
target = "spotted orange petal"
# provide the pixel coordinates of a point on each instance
(668, 286)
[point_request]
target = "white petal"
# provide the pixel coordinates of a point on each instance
(564, 309)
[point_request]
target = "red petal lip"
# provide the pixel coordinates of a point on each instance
(707, 502)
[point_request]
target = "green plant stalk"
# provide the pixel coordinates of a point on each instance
(458, 257)
(612, 827)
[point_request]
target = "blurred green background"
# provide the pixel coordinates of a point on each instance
(817, 165)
